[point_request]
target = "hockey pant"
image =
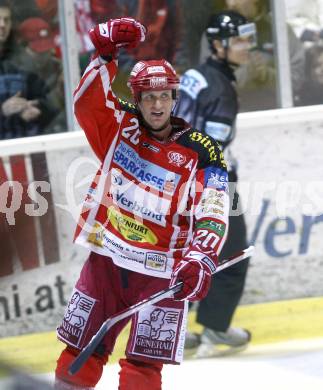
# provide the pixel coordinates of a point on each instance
(156, 336)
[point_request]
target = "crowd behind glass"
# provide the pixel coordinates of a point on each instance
(31, 72)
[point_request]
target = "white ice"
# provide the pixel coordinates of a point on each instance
(293, 365)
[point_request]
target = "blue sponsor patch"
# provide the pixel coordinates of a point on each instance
(145, 171)
(216, 178)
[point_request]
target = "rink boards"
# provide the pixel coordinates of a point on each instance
(280, 182)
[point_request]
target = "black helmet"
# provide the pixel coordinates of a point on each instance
(227, 24)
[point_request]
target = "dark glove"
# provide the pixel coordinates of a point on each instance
(108, 37)
(196, 278)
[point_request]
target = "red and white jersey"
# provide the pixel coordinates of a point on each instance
(151, 202)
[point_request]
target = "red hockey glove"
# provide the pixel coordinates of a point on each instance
(196, 278)
(108, 37)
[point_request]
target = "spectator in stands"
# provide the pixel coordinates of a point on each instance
(48, 9)
(102, 9)
(24, 108)
(39, 57)
(195, 16)
(22, 10)
(312, 91)
(162, 19)
(257, 79)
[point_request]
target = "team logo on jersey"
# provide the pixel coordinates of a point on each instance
(176, 158)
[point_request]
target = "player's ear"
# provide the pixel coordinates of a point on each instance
(217, 45)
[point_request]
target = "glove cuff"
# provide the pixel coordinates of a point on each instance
(202, 258)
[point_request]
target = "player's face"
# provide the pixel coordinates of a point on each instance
(247, 8)
(156, 107)
(5, 24)
(238, 52)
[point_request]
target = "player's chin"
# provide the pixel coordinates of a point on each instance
(158, 123)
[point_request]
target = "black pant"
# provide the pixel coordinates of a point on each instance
(217, 309)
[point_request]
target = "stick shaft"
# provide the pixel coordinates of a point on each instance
(167, 293)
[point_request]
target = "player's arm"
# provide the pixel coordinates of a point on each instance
(219, 121)
(96, 107)
(211, 226)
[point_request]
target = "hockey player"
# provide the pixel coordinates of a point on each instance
(208, 101)
(156, 213)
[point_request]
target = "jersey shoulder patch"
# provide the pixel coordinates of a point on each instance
(208, 150)
(127, 106)
(192, 82)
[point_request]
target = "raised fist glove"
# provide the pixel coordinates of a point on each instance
(196, 278)
(108, 37)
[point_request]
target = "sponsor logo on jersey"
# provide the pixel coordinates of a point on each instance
(207, 210)
(76, 317)
(176, 158)
(136, 200)
(216, 178)
(210, 201)
(144, 171)
(129, 228)
(170, 184)
(212, 197)
(217, 227)
(151, 147)
(90, 195)
(96, 235)
(127, 104)
(156, 332)
(214, 194)
(156, 261)
(209, 144)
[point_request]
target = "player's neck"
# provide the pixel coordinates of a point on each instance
(162, 135)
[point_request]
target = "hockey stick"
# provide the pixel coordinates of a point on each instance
(167, 293)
